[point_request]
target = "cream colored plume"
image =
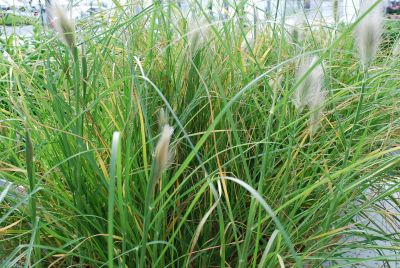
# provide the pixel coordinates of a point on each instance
(310, 92)
(368, 31)
(162, 153)
(63, 23)
(198, 34)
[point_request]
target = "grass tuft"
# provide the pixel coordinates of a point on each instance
(243, 182)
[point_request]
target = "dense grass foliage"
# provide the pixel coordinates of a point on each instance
(250, 183)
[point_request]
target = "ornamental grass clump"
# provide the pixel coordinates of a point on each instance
(368, 31)
(309, 92)
(64, 24)
(247, 183)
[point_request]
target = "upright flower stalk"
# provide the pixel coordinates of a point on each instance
(368, 34)
(160, 164)
(64, 25)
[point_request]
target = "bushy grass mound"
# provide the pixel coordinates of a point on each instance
(250, 182)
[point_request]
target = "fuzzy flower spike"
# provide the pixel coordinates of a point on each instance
(310, 86)
(64, 25)
(162, 153)
(163, 119)
(368, 31)
(198, 34)
(310, 92)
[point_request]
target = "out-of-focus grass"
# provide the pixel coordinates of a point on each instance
(9, 19)
(248, 185)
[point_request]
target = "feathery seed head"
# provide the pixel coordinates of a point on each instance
(198, 34)
(162, 153)
(310, 92)
(311, 85)
(316, 106)
(64, 24)
(296, 26)
(369, 30)
(163, 119)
